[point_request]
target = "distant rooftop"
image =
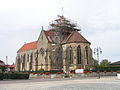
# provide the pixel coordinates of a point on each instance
(1, 62)
(115, 63)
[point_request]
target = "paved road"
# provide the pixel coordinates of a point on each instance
(104, 83)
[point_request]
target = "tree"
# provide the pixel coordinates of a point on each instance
(3, 68)
(95, 64)
(105, 63)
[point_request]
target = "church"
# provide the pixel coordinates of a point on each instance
(62, 47)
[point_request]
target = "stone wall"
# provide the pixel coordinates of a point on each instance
(86, 62)
(93, 74)
(25, 61)
(41, 58)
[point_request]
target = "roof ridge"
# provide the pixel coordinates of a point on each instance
(28, 46)
(30, 42)
(69, 36)
(75, 37)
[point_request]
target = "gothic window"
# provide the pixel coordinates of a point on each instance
(42, 51)
(46, 57)
(23, 63)
(86, 54)
(31, 60)
(18, 63)
(69, 53)
(79, 55)
(28, 57)
(36, 60)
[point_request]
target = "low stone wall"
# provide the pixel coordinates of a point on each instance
(47, 76)
(93, 74)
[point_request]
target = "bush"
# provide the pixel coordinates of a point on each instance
(98, 71)
(47, 73)
(1, 76)
(16, 76)
(118, 71)
(3, 68)
(41, 73)
(85, 72)
(73, 72)
(33, 73)
(58, 72)
(19, 76)
(108, 68)
(105, 71)
(55, 71)
(90, 71)
(41, 70)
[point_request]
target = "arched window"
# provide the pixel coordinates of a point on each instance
(31, 61)
(86, 54)
(36, 60)
(71, 55)
(28, 58)
(18, 63)
(79, 55)
(23, 63)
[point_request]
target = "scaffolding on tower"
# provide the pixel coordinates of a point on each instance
(60, 29)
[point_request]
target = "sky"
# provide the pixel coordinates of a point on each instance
(22, 20)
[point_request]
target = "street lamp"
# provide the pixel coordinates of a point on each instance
(97, 51)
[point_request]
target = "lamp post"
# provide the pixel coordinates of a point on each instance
(6, 60)
(97, 51)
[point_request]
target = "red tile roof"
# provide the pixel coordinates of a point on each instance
(2, 63)
(75, 37)
(28, 46)
(49, 35)
(11, 66)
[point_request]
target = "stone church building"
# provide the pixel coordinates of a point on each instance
(61, 47)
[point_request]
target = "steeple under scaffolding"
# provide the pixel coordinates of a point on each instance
(63, 27)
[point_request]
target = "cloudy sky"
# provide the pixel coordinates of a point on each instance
(21, 21)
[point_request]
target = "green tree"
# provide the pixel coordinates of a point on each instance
(105, 63)
(95, 64)
(3, 68)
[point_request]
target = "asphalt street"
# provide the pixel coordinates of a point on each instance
(104, 83)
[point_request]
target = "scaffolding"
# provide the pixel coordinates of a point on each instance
(61, 28)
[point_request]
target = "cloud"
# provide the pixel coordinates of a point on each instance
(109, 43)
(21, 21)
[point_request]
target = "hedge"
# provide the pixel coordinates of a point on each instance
(15, 76)
(38, 72)
(108, 68)
(1, 76)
